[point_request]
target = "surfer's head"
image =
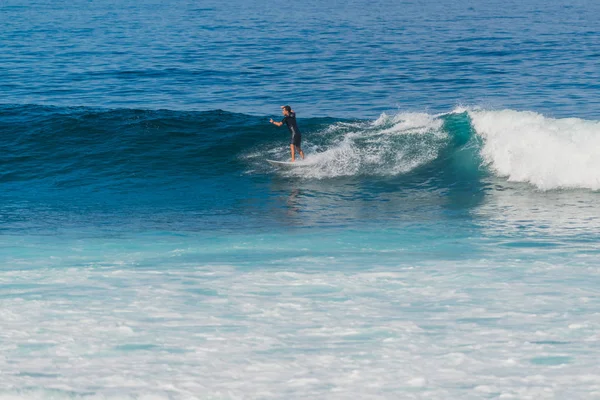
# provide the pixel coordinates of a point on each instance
(286, 110)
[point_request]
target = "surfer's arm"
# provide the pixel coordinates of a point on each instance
(275, 122)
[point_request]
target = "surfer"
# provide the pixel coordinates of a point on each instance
(289, 118)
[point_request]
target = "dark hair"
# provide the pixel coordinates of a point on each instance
(287, 108)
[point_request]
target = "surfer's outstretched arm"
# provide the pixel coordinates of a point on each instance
(275, 122)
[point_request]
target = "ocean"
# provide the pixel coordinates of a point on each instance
(440, 241)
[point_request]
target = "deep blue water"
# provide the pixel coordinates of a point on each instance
(353, 59)
(439, 241)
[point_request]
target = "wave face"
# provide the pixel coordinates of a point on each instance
(81, 147)
(120, 150)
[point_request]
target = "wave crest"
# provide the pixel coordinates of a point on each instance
(521, 146)
(545, 152)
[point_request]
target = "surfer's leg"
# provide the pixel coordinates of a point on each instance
(293, 152)
(296, 140)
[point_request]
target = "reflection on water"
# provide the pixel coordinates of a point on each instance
(489, 206)
(351, 202)
(492, 207)
(514, 209)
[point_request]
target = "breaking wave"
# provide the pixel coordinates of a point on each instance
(85, 147)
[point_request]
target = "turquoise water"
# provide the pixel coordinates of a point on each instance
(440, 240)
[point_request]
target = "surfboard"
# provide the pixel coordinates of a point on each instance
(287, 164)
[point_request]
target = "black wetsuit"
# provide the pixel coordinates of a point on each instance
(290, 121)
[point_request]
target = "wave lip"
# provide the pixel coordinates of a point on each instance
(546, 152)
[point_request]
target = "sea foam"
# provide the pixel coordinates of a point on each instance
(388, 146)
(546, 152)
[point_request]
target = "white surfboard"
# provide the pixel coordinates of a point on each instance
(287, 164)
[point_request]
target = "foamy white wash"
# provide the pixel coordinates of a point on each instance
(389, 146)
(546, 152)
(331, 328)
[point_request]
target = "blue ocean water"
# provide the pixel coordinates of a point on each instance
(439, 241)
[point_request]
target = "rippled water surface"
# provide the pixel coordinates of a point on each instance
(351, 59)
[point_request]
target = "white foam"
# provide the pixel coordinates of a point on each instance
(546, 152)
(179, 331)
(374, 148)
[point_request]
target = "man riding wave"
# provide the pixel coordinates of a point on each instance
(289, 118)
